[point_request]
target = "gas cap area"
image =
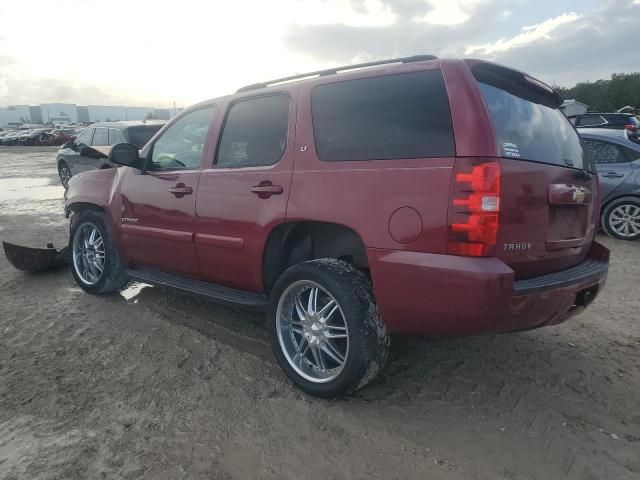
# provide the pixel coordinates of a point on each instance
(405, 225)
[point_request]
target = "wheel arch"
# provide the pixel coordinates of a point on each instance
(635, 195)
(294, 242)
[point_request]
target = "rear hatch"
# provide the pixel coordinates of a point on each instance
(548, 192)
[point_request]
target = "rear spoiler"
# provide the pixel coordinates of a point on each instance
(516, 82)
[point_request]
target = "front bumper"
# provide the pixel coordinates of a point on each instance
(426, 293)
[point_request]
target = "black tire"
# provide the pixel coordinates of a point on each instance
(369, 339)
(610, 213)
(113, 276)
(64, 179)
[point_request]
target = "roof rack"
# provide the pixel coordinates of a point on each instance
(333, 71)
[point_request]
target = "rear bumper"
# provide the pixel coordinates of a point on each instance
(442, 294)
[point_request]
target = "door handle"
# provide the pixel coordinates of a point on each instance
(613, 175)
(266, 189)
(180, 190)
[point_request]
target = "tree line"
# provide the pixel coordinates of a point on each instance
(620, 90)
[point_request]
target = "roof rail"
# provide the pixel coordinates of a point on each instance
(333, 71)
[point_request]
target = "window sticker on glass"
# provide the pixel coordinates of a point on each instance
(511, 149)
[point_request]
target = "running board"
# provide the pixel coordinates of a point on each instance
(198, 287)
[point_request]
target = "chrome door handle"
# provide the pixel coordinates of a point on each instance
(613, 175)
(180, 190)
(266, 189)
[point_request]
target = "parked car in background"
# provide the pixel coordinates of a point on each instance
(418, 196)
(57, 137)
(11, 138)
(617, 161)
(613, 121)
(74, 156)
(33, 137)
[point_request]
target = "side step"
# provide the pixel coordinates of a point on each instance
(198, 287)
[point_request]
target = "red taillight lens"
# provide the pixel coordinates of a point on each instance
(632, 127)
(474, 214)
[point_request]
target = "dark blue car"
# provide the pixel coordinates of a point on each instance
(617, 160)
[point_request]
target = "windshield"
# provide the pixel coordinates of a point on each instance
(528, 125)
(139, 136)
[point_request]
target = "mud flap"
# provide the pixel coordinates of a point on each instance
(33, 260)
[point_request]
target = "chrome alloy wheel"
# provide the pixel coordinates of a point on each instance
(88, 253)
(625, 220)
(65, 175)
(312, 331)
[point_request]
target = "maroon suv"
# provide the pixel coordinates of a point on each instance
(416, 195)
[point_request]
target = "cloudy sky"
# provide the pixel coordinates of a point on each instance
(139, 52)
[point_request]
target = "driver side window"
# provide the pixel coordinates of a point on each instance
(180, 146)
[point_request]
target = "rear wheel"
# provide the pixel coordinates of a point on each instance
(95, 262)
(621, 218)
(325, 329)
(65, 173)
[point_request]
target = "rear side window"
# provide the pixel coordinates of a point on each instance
(528, 123)
(101, 137)
(617, 120)
(395, 116)
(605, 152)
(591, 120)
(255, 132)
(115, 136)
(139, 136)
(85, 137)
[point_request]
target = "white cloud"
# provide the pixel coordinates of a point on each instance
(149, 53)
(448, 12)
(529, 34)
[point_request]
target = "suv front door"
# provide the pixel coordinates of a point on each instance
(612, 164)
(158, 205)
(243, 192)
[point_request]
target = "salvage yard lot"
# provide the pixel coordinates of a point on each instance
(161, 385)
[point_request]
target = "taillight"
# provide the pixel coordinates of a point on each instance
(632, 127)
(474, 213)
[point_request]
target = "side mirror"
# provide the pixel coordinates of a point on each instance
(68, 144)
(126, 154)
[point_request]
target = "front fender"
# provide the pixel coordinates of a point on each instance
(97, 189)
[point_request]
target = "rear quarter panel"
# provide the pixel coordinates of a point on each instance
(364, 195)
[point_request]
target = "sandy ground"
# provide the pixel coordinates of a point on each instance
(164, 386)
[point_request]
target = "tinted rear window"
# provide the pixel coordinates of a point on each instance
(527, 121)
(396, 116)
(618, 120)
(139, 136)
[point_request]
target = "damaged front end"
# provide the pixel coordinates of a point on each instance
(29, 259)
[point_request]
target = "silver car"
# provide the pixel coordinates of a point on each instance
(89, 150)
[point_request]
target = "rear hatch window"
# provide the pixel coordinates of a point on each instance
(548, 194)
(528, 123)
(139, 136)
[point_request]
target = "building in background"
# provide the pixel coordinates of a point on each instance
(36, 115)
(59, 112)
(14, 116)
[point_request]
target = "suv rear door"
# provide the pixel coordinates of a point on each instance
(243, 191)
(549, 193)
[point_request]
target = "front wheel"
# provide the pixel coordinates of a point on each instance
(65, 174)
(95, 263)
(621, 218)
(326, 333)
